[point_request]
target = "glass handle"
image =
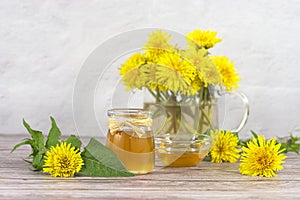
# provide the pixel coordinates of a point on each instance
(245, 102)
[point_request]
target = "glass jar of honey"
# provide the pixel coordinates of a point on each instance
(131, 138)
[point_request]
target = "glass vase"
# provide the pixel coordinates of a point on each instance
(182, 127)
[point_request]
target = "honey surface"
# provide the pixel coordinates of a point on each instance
(137, 154)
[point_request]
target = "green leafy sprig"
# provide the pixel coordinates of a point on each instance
(98, 159)
(289, 143)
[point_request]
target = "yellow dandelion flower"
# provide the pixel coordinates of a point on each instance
(150, 77)
(230, 77)
(225, 147)
(134, 79)
(176, 73)
(196, 85)
(207, 70)
(134, 61)
(153, 54)
(62, 160)
(261, 157)
(159, 40)
(157, 45)
(206, 39)
(130, 70)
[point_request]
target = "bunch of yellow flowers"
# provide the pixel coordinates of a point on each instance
(258, 156)
(164, 68)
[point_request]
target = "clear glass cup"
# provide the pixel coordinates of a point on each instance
(131, 138)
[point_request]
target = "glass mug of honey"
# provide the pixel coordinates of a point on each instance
(131, 138)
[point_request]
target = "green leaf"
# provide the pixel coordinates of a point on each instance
(54, 135)
(101, 161)
(243, 143)
(38, 161)
(290, 144)
(28, 161)
(26, 141)
(236, 134)
(37, 145)
(37, 138)
(204, 135)
(254, 134)
(74, 141)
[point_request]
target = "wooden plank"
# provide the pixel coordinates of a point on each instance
(208, 180)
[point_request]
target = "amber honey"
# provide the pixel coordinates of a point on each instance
(136, 153)
(181, 160)
(179, 152)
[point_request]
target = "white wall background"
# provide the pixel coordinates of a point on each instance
(44, 44)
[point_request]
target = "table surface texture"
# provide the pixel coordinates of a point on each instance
(205, 181)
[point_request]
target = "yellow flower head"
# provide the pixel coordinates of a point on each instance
(131, 73)
(134, 61)
(149, 77)
(157, 45)
(206, 39)
(159, 40)
(225, 147)
(230, 77)
(207, 70)
(196, 85)
(261, 157)
(62, 160)
(175, 73)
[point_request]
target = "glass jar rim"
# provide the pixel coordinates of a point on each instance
(129, 112)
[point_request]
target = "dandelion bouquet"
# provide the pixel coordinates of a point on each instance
(181, 80)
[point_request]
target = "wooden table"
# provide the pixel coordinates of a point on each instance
(208, 180)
